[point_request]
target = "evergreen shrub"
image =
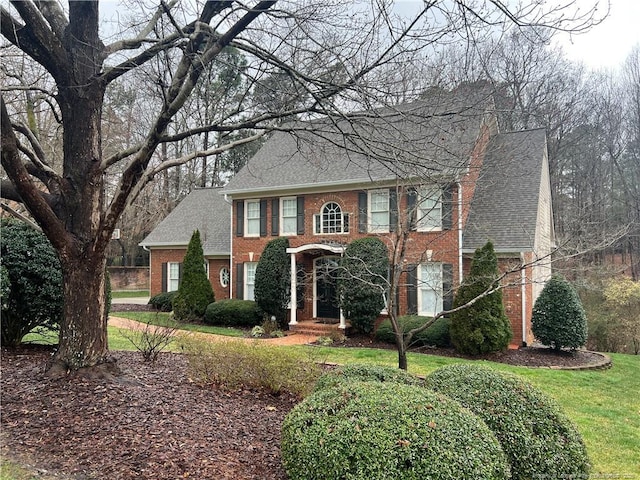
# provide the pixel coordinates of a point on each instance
(362, 281)
(482, 327)
(32, 292)
(233, 312)
(163, 302)
(195, 292)
(371, 431)
(273, 279)
(436, 335)
(366, 373)
(558, 318)
(539, 440)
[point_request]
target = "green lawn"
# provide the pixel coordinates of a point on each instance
(129, 293)
(604, 404)
(163, 319)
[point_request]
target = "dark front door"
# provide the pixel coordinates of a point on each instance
(326, 288)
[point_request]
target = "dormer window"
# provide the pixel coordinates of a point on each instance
(331, 220)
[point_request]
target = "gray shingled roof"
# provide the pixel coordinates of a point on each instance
(431, 137)
(505, 205)
(204, 209)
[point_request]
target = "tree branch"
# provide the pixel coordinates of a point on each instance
(51, 10)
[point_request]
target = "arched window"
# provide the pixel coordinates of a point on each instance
(331, 219)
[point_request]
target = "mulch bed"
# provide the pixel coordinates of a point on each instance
(153, 423)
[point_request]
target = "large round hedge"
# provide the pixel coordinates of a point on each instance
(371, 430)
(32, 282)
(233, 312)
(539, 440)
(356, 372)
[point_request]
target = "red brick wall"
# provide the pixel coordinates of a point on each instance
(160, 256)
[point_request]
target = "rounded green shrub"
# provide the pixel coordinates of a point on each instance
(233, 312)
(163, 301)
(362, 281)
(558, 318)
(483, 326)
(366, 373)
(195, 292)
(436, 335)
(32, 293)
(369, 431)
(539, 440)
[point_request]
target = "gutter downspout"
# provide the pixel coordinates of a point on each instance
(146, 249)
(231, 269)
(523, 300)
(459, 233)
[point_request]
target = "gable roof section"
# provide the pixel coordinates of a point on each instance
(432, 137)
(505, 204)
(203, 209)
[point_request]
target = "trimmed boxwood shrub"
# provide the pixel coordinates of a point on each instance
(163, 301)
(366, 373)
(539, 440)
(437, 335)
(558, 318)
(370, 430)
(233, 313)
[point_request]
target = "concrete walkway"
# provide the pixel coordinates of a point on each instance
(289, 339)
(131, 300)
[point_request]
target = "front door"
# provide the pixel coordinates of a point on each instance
(326, 292)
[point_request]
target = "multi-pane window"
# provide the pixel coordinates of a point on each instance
(173, 276)
(332, 219)
(252, 208)
(429, 211)
(249, 280)
(224, 277)
(379, 210)
(289, 216)
(430, 289)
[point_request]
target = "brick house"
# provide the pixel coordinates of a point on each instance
(435, 173)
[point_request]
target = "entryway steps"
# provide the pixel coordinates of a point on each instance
(317, 328)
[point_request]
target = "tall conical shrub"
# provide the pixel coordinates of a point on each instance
(559, 320)
(482, 327)
(273, 279)
(194, 292)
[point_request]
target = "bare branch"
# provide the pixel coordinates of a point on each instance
(51, 10)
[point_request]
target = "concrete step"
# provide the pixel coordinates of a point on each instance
(317, 328)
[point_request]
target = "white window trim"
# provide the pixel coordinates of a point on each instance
(422, 195)
(439, 292)
(370, 226)
(282, 217)
(246, 280)
(170, 278)
(318, 221)
(246, 218)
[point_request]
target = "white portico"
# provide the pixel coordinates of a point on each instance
(324, 293)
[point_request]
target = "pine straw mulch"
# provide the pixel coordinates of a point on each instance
(153, 423)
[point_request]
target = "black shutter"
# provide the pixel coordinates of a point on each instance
(300, 215)
(179, 274)
(240, 218)
(447, 207)
(393, 209)
(275, 216)
(362, 212)
(240, 281)
(263, 218)
(164, 277)
(412, 196)
(412, 289)
(447, 286)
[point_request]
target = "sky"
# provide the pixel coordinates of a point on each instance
(608, 44)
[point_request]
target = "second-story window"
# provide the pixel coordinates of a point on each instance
(379, 210)
(252, 208)
(289, 213)
(331, 219)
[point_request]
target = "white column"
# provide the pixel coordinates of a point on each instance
(343, 321)
(294, 294)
